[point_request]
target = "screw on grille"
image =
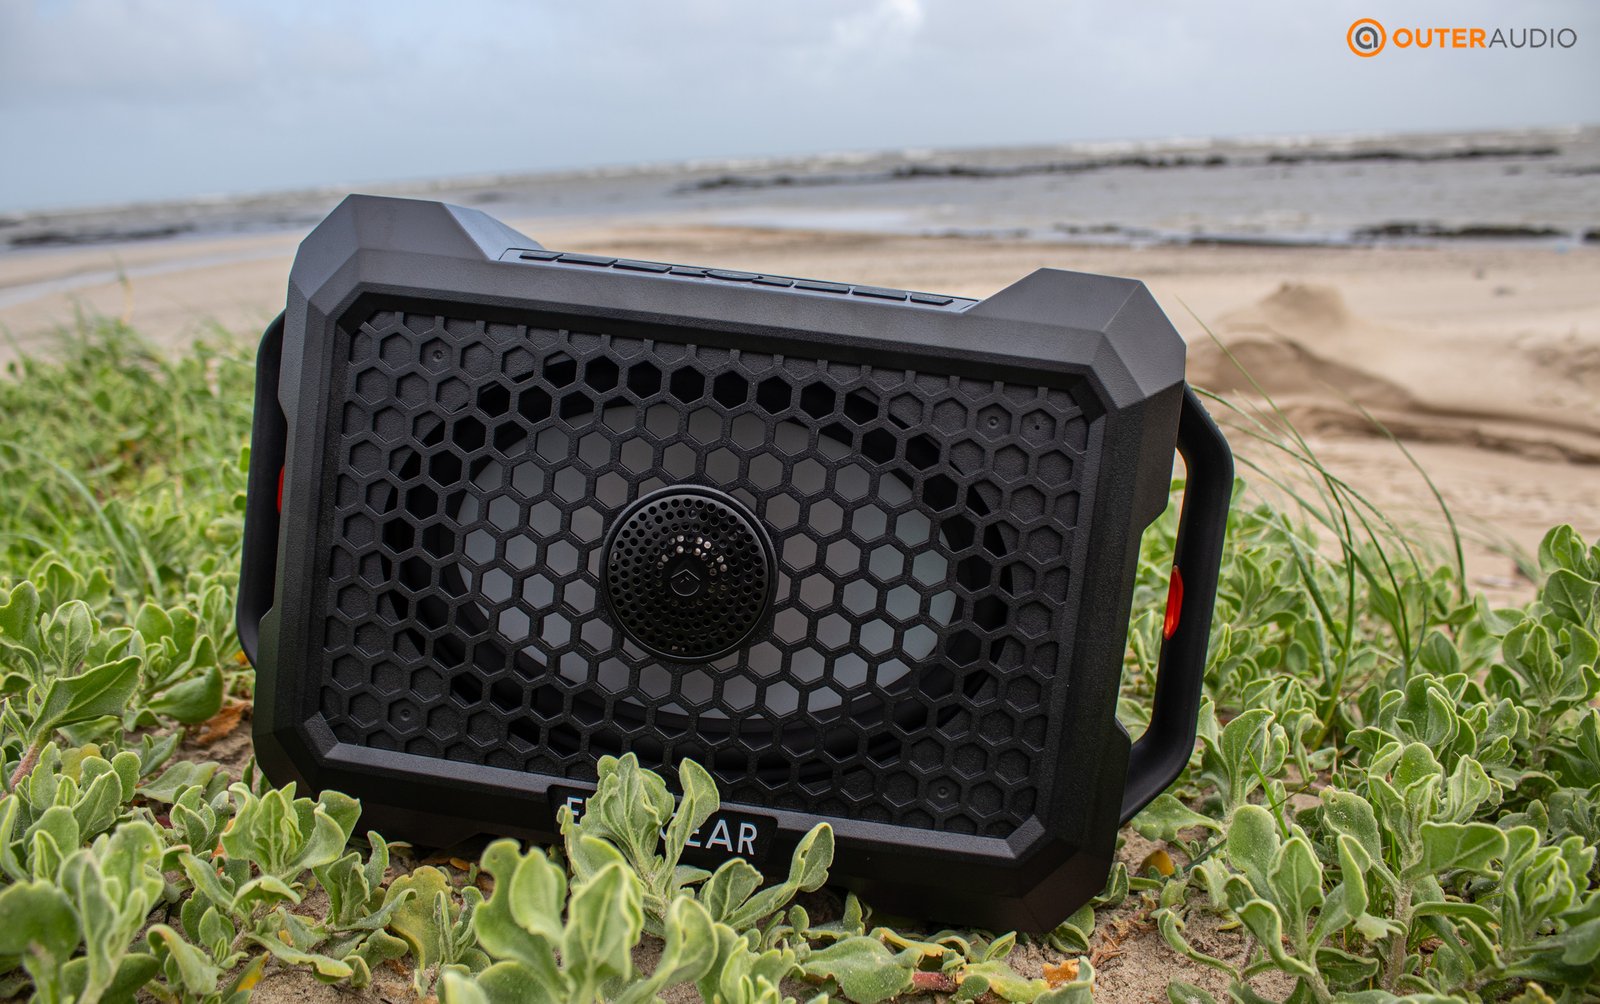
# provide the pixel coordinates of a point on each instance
(688, 573)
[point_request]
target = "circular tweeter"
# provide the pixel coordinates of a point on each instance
(688, 573)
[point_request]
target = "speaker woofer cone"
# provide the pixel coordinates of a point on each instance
(488, 576)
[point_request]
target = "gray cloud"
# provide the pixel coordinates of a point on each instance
(106, 100)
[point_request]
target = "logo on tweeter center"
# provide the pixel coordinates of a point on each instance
(1366, 38)
(686, 582)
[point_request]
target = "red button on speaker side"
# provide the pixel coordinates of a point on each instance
(1174, 604)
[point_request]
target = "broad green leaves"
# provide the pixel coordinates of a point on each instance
(1462, 814)
(1448, 847)
(436, 925)
(1244, 756)
(551, 938)
(632, 814)
(39, 929)
(182, 677)
(63, 672)
(101, 692)
(284, 835)
(93, 898)
(730, 892)
(572, 944)
(1164, 817)
(864, 969)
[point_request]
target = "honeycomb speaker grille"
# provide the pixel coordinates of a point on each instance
(924, 553)
(687, 573)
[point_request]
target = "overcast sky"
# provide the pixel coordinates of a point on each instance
(111, 100)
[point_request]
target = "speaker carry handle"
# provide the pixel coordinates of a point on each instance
(258, 567)
(1160, 755)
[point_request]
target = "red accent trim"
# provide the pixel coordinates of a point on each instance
(280, 489)
(1174, 604)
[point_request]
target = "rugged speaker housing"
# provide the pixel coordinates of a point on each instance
(866, 554)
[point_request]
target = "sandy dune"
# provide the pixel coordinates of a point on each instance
(1484, 360)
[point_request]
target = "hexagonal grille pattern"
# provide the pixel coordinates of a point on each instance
(924, 530)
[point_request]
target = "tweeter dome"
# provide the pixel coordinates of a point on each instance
(867, 554)
(688, 573)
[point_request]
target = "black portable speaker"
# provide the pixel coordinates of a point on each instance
(866, 554)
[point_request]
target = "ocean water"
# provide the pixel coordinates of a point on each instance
(1535, 186)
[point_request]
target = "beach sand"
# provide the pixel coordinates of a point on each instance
(1484, 360)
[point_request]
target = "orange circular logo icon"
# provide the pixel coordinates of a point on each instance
(1366, 38)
